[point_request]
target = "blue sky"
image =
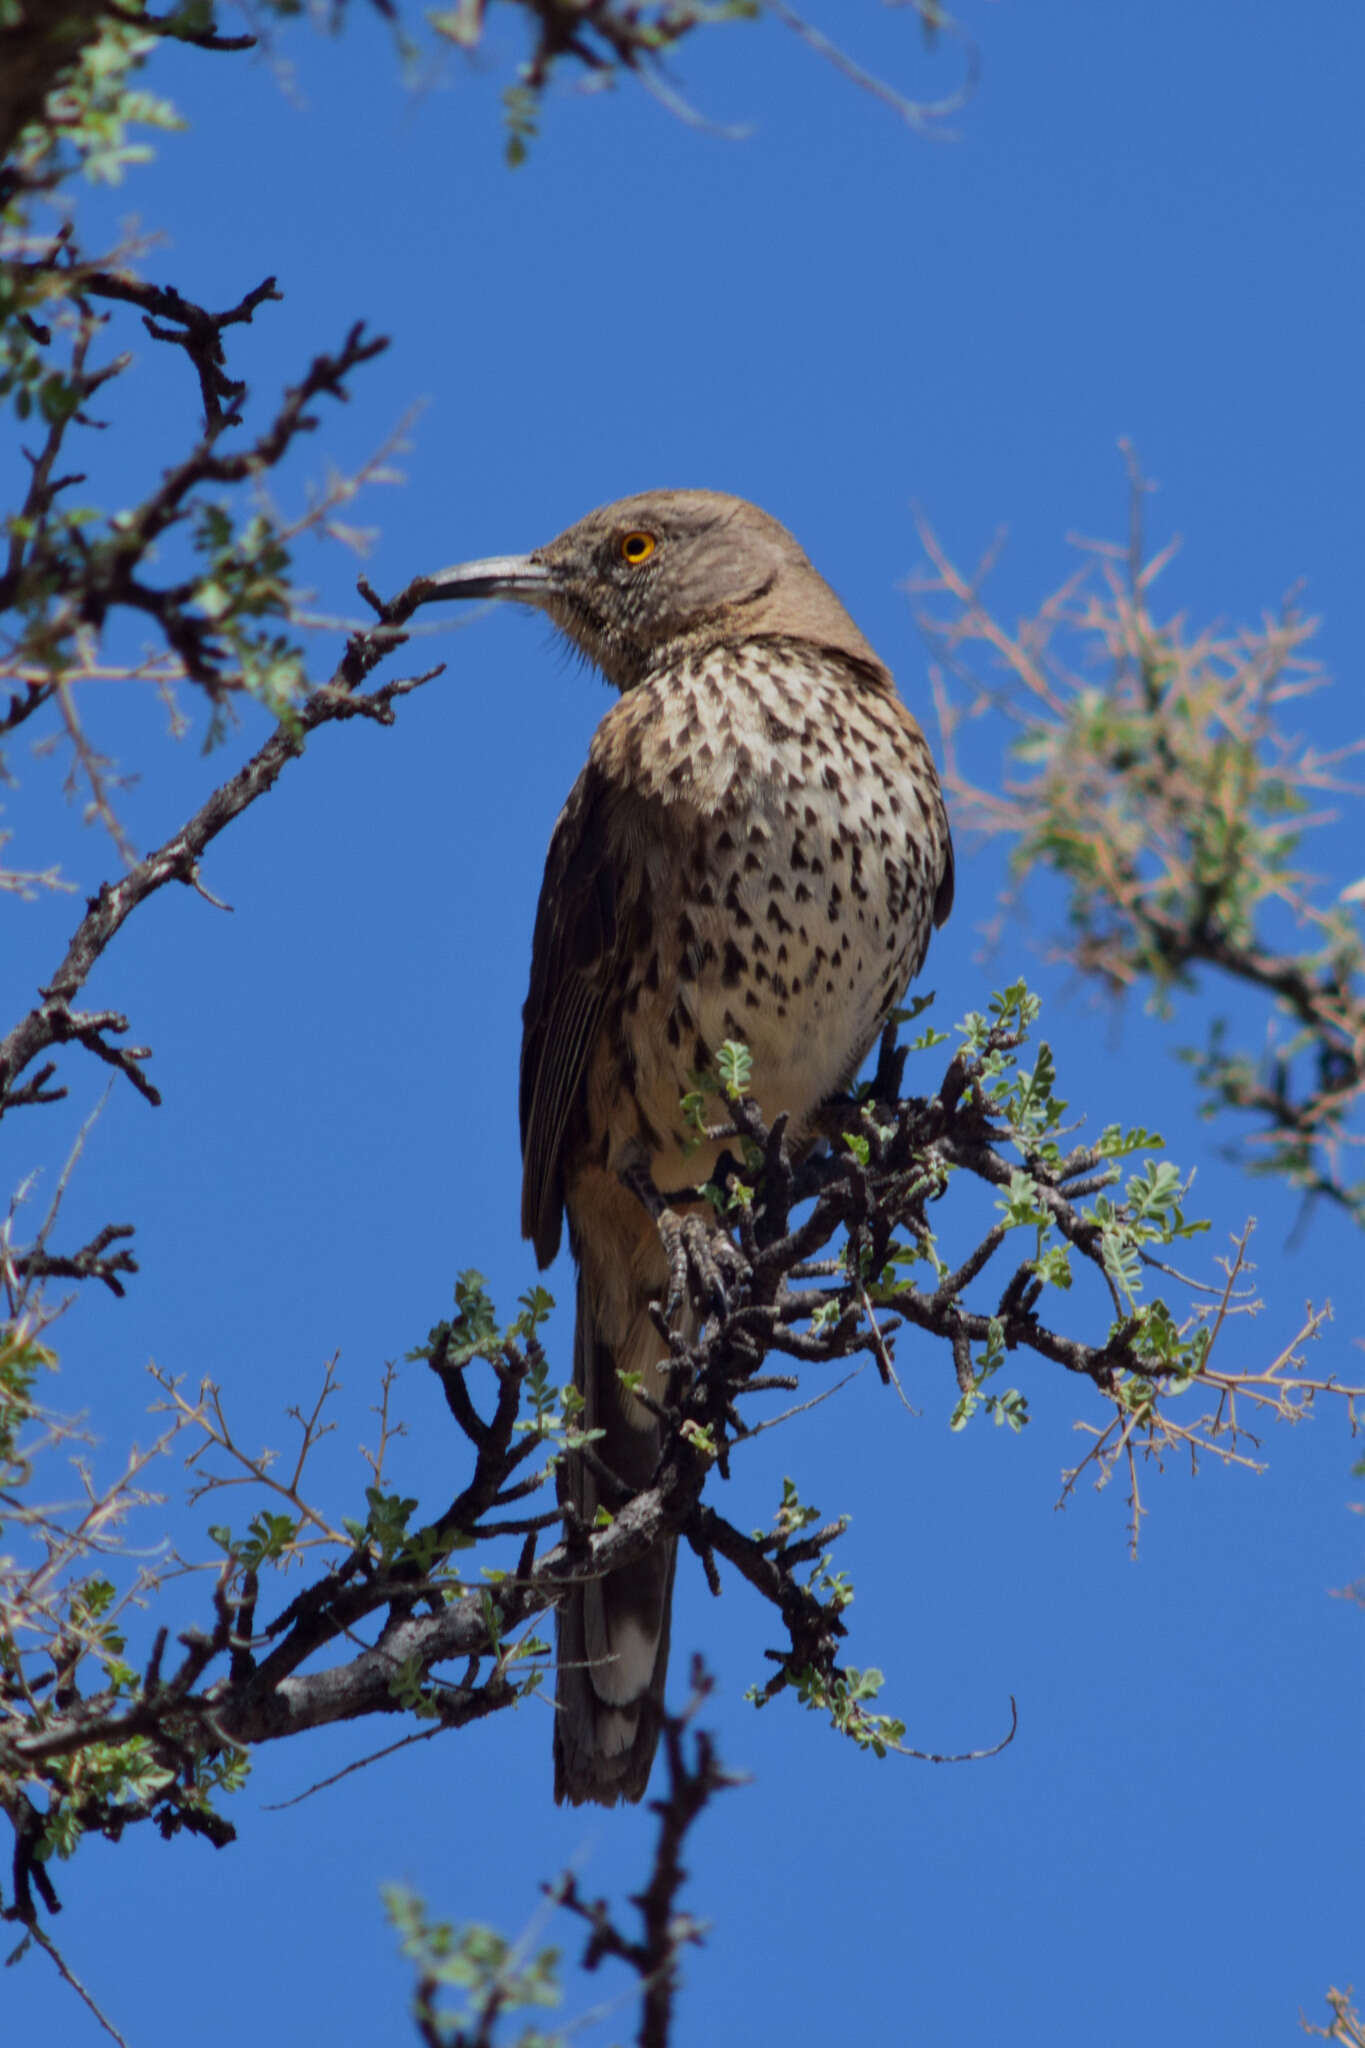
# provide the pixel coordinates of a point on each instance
(1148, 226)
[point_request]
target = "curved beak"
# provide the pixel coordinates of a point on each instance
(519, 577)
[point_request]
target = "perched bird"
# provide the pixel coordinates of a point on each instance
(756, 850)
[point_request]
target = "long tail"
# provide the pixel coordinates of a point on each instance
(612, 1633)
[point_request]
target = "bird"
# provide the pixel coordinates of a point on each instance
(757, 849)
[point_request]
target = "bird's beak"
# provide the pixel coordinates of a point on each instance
(520, 577)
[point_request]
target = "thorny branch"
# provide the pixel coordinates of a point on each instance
(55, 1021)
(820, 1264)
(1161, 782)
(198, 332)
(65, 586)
(67, 572)
(79, 581)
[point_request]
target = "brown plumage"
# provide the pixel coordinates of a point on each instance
(757, 849)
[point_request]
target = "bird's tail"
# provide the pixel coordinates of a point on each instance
(612, 1633)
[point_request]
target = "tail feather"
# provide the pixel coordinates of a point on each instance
(612, 1633)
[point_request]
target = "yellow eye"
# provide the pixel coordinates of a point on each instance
(637, 547)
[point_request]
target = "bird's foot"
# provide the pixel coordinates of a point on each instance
(692, 1265)
(689, 1245)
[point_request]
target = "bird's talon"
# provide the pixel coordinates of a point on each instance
(670, 1229)
(692, 1267)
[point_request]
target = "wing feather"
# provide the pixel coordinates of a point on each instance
(573, 958)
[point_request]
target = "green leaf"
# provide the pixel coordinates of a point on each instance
(734, 1064)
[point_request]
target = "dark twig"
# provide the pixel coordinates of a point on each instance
(665, 1932)
(197, 331)
(54, 1021)
(176, 29)
(89, 1263)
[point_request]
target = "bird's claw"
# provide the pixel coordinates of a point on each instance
(689, 1246)
(692, 1265)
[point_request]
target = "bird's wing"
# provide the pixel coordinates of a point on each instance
(943, 901)
(573, 957)
(939, 830)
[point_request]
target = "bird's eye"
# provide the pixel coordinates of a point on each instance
(637, 547)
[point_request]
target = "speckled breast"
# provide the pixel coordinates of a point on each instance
(794, 838)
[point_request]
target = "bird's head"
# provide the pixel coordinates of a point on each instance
(639, 582)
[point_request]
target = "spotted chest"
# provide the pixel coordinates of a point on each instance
(782, 813)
